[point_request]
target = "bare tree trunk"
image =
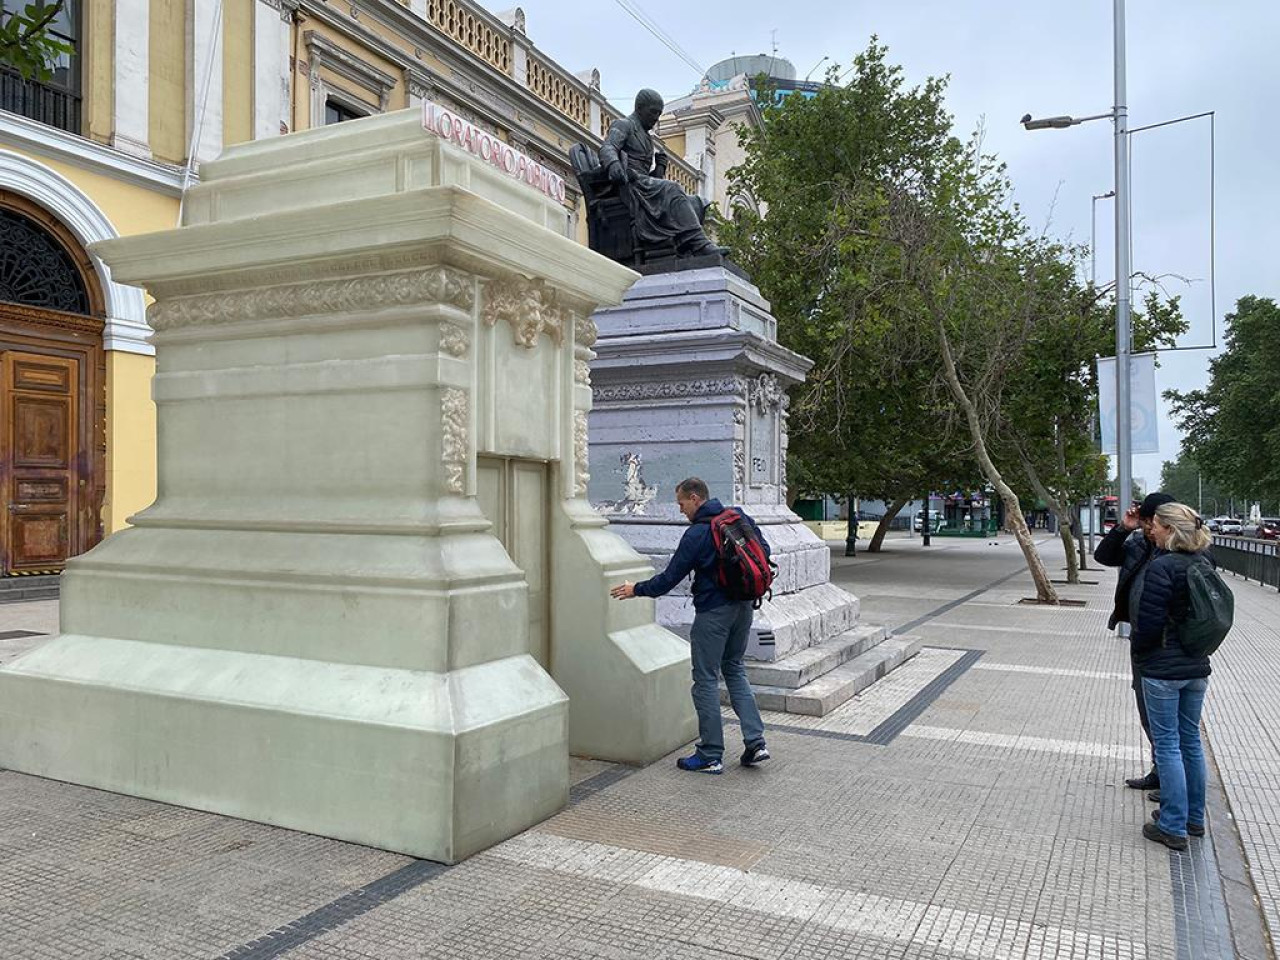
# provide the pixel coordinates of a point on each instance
(1079, 528)
(877, 538)
(1013, 510)
(1064, 518)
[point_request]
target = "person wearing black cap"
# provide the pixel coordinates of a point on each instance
(1129, 546)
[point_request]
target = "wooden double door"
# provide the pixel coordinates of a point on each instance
(48, 492)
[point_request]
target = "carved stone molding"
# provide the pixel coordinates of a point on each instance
(582, 372)
(765, 393)
(454, 339)
(455, 423)
(529, 306)
(581, 463)
(670, 390)
(739, 416)
(585, 332)
(352, 294)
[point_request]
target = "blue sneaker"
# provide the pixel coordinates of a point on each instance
(699, 764)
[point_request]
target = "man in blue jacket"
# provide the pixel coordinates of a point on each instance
(1129, 547)
(718, 639)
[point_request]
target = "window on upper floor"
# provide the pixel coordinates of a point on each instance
(56, 101)
(335, 112)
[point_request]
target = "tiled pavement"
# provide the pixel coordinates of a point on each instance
(968, 806)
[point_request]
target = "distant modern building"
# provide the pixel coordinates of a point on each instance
(701, 127)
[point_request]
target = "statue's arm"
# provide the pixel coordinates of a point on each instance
(612, 150)
(659, 164)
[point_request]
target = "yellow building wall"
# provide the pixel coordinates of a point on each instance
(167, 84)
(131, 438)
(237, 72)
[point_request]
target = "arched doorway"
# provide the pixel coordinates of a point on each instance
(52, 392)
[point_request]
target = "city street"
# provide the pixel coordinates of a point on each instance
(970, 805)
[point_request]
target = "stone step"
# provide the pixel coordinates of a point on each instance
(35, 587)
(809, 664)
(822, 695)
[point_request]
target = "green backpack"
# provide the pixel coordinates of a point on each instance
(1210, 610)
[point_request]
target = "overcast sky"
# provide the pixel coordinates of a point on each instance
(1013, 57)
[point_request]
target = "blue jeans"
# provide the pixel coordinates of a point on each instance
(1173, 709)
(717, 643)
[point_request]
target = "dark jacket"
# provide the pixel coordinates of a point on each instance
(1159, 601)
(1130, 551)
(696, 552)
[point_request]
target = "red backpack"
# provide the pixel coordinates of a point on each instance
(743, 570)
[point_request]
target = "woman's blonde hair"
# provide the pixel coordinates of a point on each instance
(1187, 533)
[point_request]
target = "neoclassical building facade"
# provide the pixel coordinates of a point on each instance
(106, 147)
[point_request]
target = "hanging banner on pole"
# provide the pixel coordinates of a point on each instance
(1142, 403)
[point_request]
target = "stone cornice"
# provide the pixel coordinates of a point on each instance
(39, 138)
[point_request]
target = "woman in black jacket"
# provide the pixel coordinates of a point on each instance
(1173, 682)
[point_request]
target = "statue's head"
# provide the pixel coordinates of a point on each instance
(649, 107)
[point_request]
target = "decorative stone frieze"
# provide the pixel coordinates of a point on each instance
(670, 389)
(454, 339)
(350, 294)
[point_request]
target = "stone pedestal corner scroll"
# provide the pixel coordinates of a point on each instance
(316, 624)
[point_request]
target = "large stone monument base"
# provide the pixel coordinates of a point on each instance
(689, 380)
(371, 599)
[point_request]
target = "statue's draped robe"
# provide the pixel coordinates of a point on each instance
(665, 213)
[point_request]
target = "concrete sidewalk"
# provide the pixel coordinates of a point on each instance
(970, 805)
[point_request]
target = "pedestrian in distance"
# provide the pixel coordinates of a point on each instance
(1129, 546)
(1181, 612)
(729, 559)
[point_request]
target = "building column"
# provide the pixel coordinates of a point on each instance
(272, 22)
(204, 77)
(129, 130)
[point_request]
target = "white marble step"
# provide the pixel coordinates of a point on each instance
(809, 664)
(820, 696)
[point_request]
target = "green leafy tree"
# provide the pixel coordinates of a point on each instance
(1184, 479)
(27, 40)
(863, 423)
(1232, 428)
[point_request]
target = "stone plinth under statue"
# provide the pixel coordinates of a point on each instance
(689, 379)
(370, 600)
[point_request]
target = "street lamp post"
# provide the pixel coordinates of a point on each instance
(1093, 234)
(1119, 114)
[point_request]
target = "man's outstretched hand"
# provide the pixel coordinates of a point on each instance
(624, 591)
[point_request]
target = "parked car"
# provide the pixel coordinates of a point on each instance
(1232, 525)
(935, 521)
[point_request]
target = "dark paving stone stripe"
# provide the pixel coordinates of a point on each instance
(908, 712)
(593, 785)
(902, 718)
(346, 908)
(19, 634)
(341, 911)
(946, 607)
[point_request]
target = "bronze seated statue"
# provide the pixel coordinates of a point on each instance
(634, 214)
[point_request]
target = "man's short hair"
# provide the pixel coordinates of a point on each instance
(647, 96)
(693, 487)
(1152, 502)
